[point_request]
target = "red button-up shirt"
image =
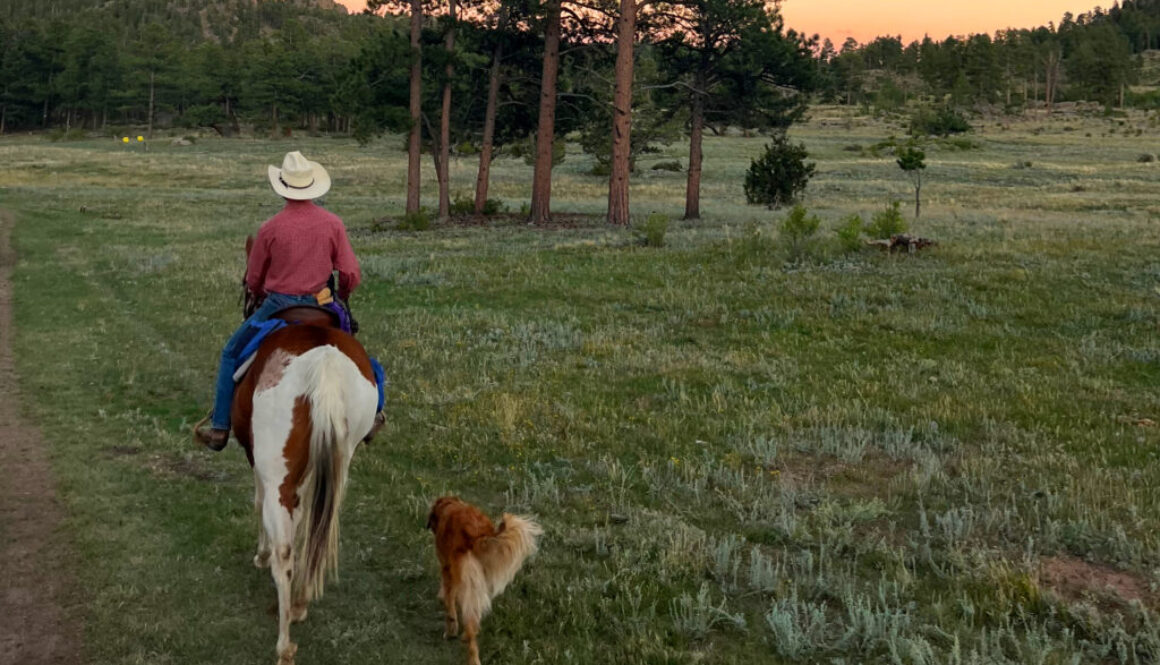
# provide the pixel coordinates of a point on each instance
(297, 249)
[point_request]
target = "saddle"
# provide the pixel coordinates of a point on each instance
(309, 315)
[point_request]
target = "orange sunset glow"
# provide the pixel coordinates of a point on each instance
(866, 19)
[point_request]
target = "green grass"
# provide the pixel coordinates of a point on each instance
(737, 458)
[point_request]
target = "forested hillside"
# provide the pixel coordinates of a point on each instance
(275, 66)
(1094, 56)
(221, 63)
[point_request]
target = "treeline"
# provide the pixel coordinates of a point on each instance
(1095, 56)
(492, 76)
(456, 76)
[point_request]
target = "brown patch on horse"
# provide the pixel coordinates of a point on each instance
(296, 452)
(272, 370)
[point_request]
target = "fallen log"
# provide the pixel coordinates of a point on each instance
(902, 241)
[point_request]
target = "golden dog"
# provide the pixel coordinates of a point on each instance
(478, 561)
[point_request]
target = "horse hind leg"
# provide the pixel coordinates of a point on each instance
(280, 530)
(262, 557)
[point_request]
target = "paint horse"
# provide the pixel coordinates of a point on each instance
(307, 400)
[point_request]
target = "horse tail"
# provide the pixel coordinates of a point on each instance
(328, 377)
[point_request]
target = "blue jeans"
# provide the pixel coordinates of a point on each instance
(224, 399)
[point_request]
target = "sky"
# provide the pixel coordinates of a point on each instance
(866, 19)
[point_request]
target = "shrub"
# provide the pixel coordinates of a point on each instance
(419, 220)
(652, 232)
(674, 166)
(73, 134)
(494, 207)
(780, 175)
(462, 205)
(887, 222)
(941, 122)
(1146, 158)
(465, 205)
(961, 143)
(850, 233)
(797, 230)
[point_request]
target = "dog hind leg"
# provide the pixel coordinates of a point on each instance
(470, 631)
(449, 593)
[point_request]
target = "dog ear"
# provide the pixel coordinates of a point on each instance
(436, 509)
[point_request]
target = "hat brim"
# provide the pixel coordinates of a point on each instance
(317, 189)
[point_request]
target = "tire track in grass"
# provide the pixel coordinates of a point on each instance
(35, 582)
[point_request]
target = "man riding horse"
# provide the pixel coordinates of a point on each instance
(293, 257)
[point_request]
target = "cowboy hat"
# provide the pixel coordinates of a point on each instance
(299, 179)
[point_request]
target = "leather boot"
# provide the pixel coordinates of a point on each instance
(380, 420)
(214, 439)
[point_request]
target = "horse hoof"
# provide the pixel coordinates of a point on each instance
(298, 613)
(287, 655)
(262, 560)
(451, 630)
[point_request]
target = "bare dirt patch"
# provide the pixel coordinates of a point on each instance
(869, 478)
(1074, 579)
(35, 584)
(187, 466)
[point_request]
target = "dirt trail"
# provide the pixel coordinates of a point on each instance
(35, 628)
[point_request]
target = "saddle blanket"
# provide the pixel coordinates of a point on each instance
(261, 330)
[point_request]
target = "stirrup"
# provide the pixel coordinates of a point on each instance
(206, 444)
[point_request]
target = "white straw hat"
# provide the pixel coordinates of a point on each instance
(299, 179)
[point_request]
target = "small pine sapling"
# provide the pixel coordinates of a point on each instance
(911, 159)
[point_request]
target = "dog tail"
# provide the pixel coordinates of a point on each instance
(503, 554)
(494, 561)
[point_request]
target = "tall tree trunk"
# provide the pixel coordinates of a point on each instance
(1007, 83)
(3, 117)
(414, 141)
(444, 173)
(917, 193)
(483, 179)
(152, 90)
(693, 188)
(546, 129)
(618, 209)
(44, 112)
(1051, 82)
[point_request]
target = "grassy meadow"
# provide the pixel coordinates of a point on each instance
(949, 457)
